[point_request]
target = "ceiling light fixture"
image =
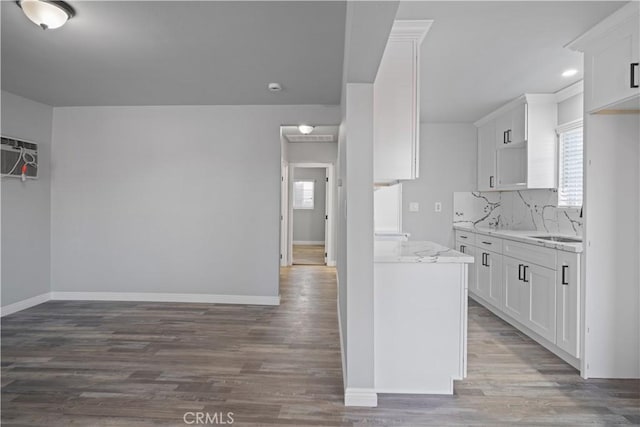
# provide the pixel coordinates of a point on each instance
(275, 87)
(570, 73)
(305, 129)
(47, 14)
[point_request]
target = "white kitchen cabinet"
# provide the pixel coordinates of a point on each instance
(487, 156)
(489, 265)
(524, 151)
(540, 300)
(514, 289)
(568, 303)
(612, 52)
(472, 273)
(396, 104)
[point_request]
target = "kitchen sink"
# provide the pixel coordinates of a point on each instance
(560, 239)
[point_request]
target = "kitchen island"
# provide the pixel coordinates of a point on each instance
(420, 317)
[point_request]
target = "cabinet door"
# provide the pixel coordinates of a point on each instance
(472, 272)
(518, 130)
(487, 157)
(395, 112)
(568, 303)
(611, 67)
(541, 300)
(513, 298)
(484, 274)
(494, 294)
(503, 124)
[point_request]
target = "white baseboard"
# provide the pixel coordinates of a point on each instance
(361, 397)
(166, 297)
(331, 263)
(308, 242)
(24, 304)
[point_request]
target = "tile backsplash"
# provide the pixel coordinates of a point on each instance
(516, 210)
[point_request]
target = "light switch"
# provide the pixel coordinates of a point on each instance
(438, 207)
(414, 207)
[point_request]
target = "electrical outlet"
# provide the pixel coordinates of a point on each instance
(438, 207)
(414, 207)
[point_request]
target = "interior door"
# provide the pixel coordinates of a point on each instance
(326, 215)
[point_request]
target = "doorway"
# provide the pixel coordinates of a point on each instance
(306, 205)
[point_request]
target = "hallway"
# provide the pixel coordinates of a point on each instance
(138, 364)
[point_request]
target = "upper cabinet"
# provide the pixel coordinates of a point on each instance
(517, 145)
(396, 107)
(612, 53)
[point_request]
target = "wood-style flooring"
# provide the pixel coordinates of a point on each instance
(141, 364)
(308, 255)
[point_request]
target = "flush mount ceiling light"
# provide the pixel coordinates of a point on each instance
(570, 73)
(305, 129)
(47, 14)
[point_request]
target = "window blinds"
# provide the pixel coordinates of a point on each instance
(303, 194)
(570, 162)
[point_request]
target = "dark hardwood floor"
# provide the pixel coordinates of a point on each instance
(139, 364)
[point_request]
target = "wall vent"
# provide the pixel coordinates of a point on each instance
(310, 138)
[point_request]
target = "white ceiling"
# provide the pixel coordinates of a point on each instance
(479, 55)
(177, 53)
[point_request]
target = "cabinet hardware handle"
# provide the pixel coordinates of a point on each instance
(504, 137)
(509, 135)
(634, 67)
(564, 274)
(520, 271)
(462, 248)
(486, 243)
(487, 260)
(491, 184)
(524, 274)
(463, 237)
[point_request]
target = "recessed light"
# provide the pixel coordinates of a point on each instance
(275, 87)
(570, 73)
(305, 129)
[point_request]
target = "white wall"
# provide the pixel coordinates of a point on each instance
(309, 224)
(312, 152)
(180, 199)
(571, 109)
(448, 162)
(26, 205)
(359, 229)
(612, 235)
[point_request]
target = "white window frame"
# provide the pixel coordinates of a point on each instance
(313, 194)
(567, 127)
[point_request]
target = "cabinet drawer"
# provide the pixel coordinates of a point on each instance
(533, 254)
(466, 237)
(492, 244)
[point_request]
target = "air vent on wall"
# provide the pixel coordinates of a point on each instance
(310, 138)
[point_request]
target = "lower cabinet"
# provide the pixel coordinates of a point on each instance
(540, 298)
(537, 287)
(489, 280)
(514, 289)
(568, 303)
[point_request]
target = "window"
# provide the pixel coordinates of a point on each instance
(570, 165)
(303, 192)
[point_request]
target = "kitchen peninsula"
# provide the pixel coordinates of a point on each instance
(420, 320)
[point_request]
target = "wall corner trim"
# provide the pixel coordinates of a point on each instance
(366, 397)
(166, 297)
(24, 304)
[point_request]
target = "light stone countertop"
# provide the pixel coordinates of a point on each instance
(524, 236)
(417, 252)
